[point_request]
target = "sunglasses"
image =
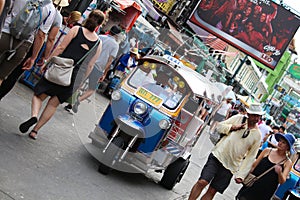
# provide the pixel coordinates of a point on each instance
(246, 133)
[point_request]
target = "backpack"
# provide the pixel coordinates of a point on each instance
(215, 136)
(28, 20)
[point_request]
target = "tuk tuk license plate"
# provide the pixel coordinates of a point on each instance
(149, 96)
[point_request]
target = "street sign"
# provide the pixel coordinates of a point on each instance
(295, 71)
(279, 89)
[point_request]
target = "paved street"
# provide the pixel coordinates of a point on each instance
(58, 167)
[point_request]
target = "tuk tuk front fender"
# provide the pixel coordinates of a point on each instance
(130, 126)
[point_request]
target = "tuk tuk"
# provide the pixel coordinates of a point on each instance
(152, 120)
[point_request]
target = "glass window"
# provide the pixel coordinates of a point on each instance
(160, 80)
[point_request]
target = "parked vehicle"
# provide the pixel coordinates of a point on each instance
(152, 121)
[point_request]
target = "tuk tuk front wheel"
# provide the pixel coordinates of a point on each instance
(111, 154)
(174, 173)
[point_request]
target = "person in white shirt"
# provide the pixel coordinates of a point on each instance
(221, 113)
(37, 40)
(265, 129)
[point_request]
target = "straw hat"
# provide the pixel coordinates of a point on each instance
(255, 109)
(134, 51)
(61, 3)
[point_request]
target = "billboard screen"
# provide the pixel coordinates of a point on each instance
(259, 28)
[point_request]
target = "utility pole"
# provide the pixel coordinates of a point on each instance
(238, 69)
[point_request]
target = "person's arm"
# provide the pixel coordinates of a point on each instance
(50, 41)
(107, 67)
(260, 157)
(93, 60)
(2, 3)
(228, 112)
(249, 163)
(282, 175)
(66, 41)
(37, 45)
(231, 124)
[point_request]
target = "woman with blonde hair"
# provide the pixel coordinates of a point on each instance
(280, 164)
(75, 45)
(72, 19)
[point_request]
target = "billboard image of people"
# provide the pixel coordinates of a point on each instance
(260, 28)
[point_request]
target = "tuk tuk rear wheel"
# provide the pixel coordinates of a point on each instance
(174, 173)
(110, 155)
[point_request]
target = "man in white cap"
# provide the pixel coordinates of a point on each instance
(232, 155)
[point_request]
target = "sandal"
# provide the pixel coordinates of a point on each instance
(31, 136)
(24, 127)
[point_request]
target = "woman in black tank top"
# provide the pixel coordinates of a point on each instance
(264, 187)
(75, 45)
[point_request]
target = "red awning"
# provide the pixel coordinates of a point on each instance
(132, 10)
(128, 3)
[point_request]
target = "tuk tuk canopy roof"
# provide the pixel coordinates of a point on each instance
(200, 85)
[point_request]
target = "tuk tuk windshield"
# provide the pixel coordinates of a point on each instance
(160, 80)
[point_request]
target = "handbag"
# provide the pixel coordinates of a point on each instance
(215, 136)
(250, 179)
(59, 70)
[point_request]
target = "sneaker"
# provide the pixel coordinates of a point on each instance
(75, 107)
(68, 107)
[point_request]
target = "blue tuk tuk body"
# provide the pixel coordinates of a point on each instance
(151, 122)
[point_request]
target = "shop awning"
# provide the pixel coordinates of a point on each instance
(128, 3)
(131, 11)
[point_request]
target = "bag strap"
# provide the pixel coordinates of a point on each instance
(87, 53)
(268, 170)
(270, 139)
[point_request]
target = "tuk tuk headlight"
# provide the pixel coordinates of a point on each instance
(164, 124)
(140, 108)
(116, 95)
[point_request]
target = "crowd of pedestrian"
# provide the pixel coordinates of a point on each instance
(250, 144)
(62, 37)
